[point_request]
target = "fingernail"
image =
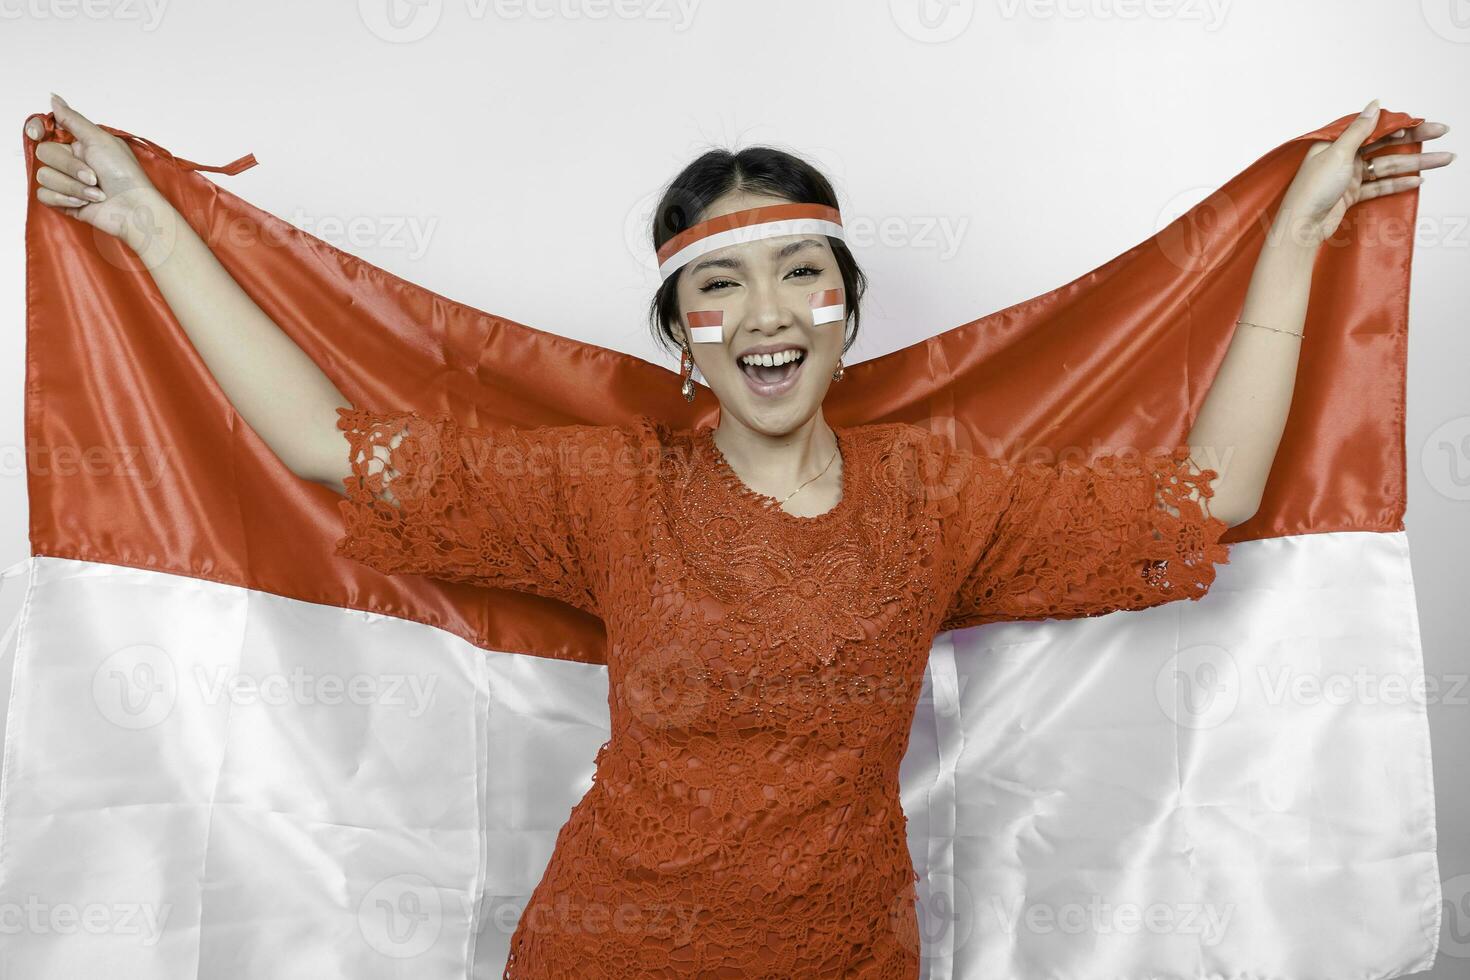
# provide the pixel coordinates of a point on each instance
(88, 177)
(95, 193)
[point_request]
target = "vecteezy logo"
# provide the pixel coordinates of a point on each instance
(636, 225)
(401, 916)
(1198, 687)
(1196, 244)
(1445, 917)
(932, 21)
(400, 21)
(1450, 19)
(1445, 459)
(136, 687)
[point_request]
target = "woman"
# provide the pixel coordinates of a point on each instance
(771, 586)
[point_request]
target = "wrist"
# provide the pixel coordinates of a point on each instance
(1293, 231)
(150, 223)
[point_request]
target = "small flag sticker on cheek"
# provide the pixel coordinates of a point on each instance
(706, 326)
(827, 306)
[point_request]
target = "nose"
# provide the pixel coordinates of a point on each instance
(767, 311)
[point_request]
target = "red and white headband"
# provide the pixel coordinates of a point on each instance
(752, 224)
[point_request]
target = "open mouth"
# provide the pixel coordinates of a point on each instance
(772, 374)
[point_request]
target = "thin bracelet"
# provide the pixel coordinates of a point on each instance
(1276, 329)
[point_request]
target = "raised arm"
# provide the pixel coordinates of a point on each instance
(1240, 424)
(276, 388)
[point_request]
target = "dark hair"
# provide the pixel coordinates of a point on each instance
(761, 169)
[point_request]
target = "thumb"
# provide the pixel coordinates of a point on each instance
(74, 122)
(1357, 131)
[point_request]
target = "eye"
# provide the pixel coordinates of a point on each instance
(807, 268)
(715, 284)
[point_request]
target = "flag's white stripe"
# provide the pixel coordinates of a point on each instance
(1199, 759)
(385, 766)
(281, 836)
(826, 314)
(748, 233)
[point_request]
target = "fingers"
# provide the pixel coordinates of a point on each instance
(35, 129)
(1402, 163)
(1425, 131)
(1397, 136)
(1416, 134)
(1357, 130)
(1391, 185)
(68, 186)
(69, 119)
(60, 157)
(64, 202)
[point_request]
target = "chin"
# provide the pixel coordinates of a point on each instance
(769, 419)
(777, 405)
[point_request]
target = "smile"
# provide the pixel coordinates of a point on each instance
(772, 373)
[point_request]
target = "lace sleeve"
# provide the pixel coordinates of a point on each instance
(496, 508)
(1073, 540)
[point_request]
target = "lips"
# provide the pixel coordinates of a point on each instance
(771, 389)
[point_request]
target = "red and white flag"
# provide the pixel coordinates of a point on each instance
(230, 753)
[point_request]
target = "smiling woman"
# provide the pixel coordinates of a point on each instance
(762, 295)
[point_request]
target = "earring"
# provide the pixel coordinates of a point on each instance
(837, 375)
(686, 370)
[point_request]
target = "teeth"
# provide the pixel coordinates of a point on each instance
(771, 360)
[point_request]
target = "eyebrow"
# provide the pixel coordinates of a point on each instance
(737, 263)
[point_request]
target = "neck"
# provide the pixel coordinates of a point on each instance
(775, 465)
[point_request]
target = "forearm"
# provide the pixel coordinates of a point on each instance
(276, 388)
(1239, 426)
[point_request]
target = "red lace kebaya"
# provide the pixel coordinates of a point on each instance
(763, 668)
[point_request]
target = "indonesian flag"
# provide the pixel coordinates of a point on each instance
(232, 753)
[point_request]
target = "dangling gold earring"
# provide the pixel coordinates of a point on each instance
(686, 370)
(837, 375)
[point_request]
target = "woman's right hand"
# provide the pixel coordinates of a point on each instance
(95, 179)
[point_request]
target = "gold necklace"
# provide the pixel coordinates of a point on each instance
(818, 476)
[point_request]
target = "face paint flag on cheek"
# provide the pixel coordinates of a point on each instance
(828, 306)
(706, 326)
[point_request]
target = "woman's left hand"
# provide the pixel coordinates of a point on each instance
(1335, 176)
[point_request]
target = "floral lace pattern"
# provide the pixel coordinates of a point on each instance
(763, 668)
(1077, 540)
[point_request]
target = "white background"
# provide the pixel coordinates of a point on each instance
(505, 155)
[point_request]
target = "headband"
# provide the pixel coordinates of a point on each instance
(749, 225)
